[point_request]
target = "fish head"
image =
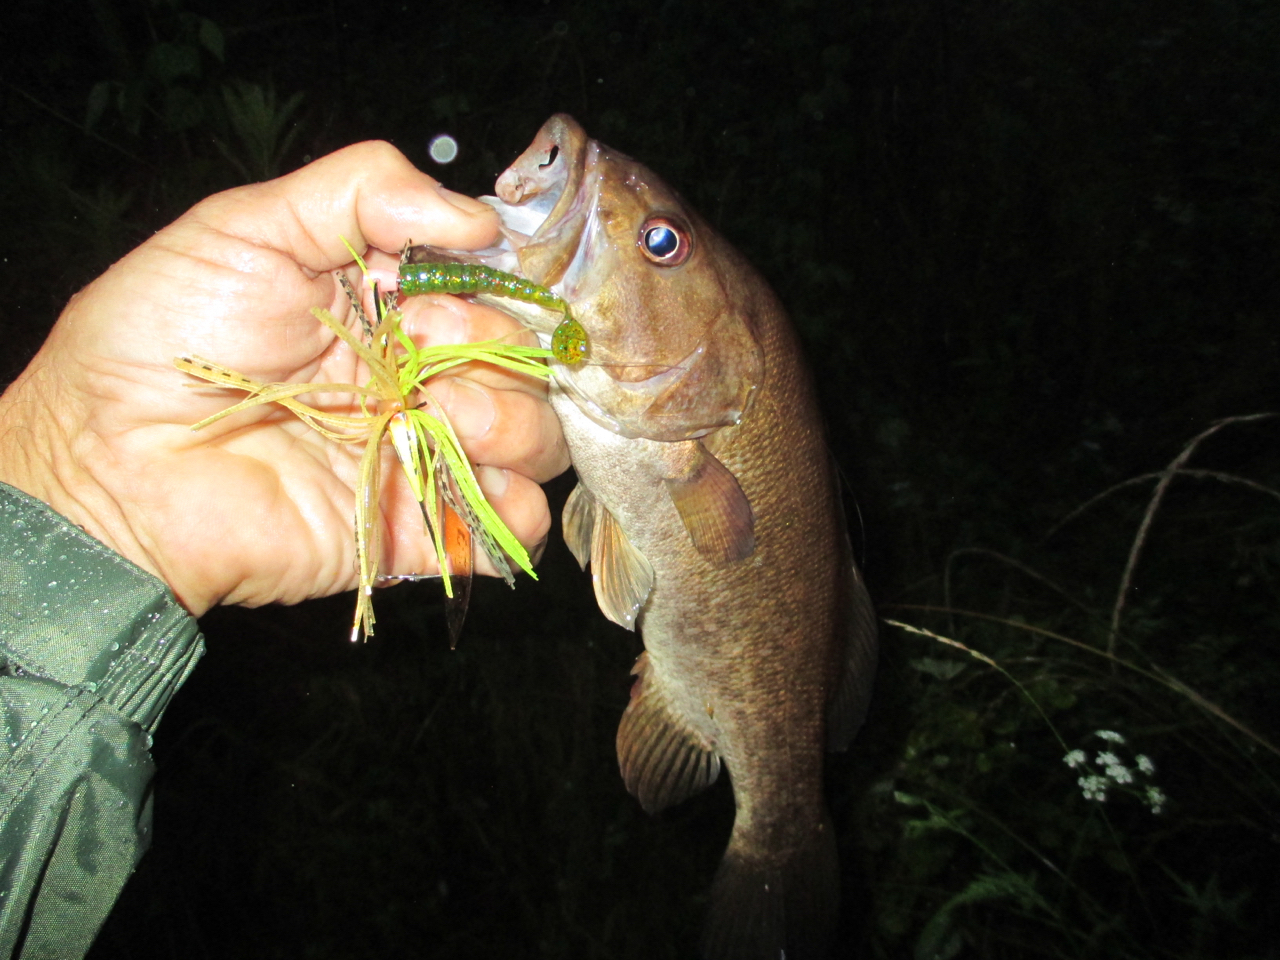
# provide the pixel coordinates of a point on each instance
(673, 350)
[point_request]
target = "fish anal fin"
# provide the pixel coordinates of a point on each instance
(715, 511)
(621, 575)
(767, 907)
(579, 521)
(662, 758)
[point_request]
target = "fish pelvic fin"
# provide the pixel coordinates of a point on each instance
(621, 575)
(715, 511)
(579, 521)
(662, 757)
(776, 906)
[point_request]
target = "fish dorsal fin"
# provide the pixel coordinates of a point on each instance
(713, 507)
(847, 707)
(662, 758)
(579, 520)
(620, 573)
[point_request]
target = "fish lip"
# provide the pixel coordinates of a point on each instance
(555, 174)
(545, 202)
(549, 239)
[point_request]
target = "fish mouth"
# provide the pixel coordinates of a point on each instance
(545, 201)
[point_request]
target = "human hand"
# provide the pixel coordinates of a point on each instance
(258, 508)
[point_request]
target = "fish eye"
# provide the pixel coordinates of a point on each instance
(664, 242)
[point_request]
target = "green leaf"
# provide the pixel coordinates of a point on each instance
(941, 940)
(99, 97)
(182, 109)
(211, 38)
(171, 61)
(935, 667)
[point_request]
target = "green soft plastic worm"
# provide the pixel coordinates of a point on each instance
(568, 342)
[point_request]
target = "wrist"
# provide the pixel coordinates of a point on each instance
(44, 457)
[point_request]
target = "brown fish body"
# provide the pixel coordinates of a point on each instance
(708, 510)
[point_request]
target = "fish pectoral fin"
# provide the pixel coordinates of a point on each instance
(579, 520)
(713, 507)
(662, 758)
(621, 575)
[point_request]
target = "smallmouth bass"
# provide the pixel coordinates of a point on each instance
(709, 513)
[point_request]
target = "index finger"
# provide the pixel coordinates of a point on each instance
(368, 193)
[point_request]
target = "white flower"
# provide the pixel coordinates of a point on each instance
(1093, 787)
(1119, 773)
(1157, 799)
(1113, 772)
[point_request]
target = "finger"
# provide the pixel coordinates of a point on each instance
(441, 319)
(256, 259)
(519, 501)
(434, 320)
(504, 428)
(368, 193)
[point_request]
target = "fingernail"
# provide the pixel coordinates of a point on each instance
(463, 202)
(494, 480)
(469, 409)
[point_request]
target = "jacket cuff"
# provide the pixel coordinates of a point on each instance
(92, 648)
(75, 612)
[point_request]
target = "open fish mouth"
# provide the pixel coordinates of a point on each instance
(546, 200)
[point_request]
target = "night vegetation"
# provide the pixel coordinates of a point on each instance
(1032, 248)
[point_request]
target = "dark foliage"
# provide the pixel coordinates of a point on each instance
(1032, 248)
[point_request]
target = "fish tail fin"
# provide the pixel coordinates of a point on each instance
(776, 907)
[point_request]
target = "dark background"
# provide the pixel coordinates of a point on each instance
(1032, 250)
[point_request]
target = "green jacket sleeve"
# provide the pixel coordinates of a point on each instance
(91, 650)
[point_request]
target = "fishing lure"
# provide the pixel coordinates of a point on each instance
(387, 406)
(568, 342)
